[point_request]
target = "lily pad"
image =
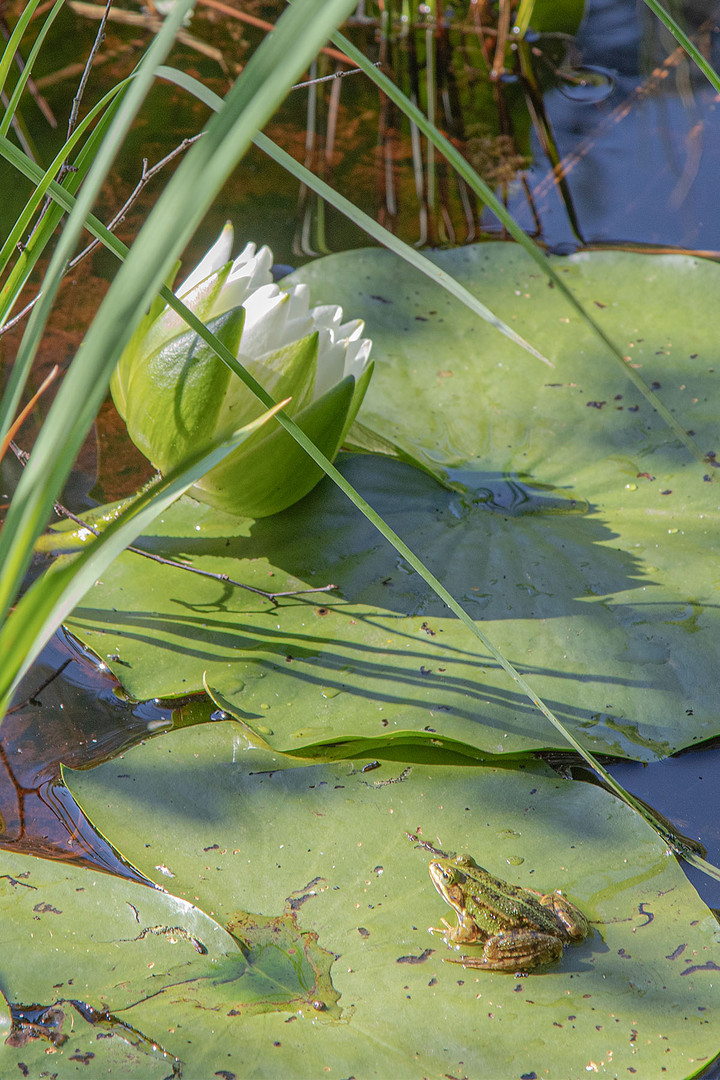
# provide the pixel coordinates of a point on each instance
(86, 949)
(578, 530)
(330, 843)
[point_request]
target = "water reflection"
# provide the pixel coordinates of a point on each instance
(640, 163)
(67, 711)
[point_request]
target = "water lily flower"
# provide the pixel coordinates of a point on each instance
(175, 394)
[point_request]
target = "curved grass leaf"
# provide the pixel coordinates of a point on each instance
(688, 45)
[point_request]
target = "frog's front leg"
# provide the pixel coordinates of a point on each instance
(465, 933)
(514, 950)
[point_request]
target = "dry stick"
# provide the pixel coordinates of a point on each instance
(99, 39)
(146, 176)
(62, 511)
(261, 24)
(20, 420)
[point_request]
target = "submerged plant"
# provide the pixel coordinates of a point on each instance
(175, 394)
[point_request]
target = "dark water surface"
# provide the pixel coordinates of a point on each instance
(641, 163)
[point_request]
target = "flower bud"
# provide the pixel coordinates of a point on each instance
(175, 394)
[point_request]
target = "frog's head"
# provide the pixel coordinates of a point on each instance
(449, 879)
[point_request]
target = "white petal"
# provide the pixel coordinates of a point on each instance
(331, 362)
(216, 257)
(264, 317)
(249, 272)
(357, 356)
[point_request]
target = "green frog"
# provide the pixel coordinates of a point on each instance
(518, 929)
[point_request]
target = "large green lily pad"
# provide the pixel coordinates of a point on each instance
(329, 843)
(581, 534)
(92, 962)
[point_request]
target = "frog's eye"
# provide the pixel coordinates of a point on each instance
(467, 861)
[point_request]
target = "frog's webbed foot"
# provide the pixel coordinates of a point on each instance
(448, 930)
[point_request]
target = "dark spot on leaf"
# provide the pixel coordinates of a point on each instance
(424, 955)
(46, 909)
(84, 1058)
(595, 404)
(380, 299)
(363, 932)
(322, 611)
(678, 952)
(710, 966)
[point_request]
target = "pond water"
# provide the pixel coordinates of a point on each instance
(641, 156)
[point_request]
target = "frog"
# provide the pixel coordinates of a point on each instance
(519, 929)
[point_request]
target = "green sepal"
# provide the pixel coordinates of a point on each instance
(289, 372)
(273, 472)
(174, 396)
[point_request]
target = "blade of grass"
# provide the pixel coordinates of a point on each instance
(16, 233)
(418, 566)
(379, 524)
(14, 41)
(36, 245)
(682, 39)
(27, 70)
(104, 156)
(51, 599)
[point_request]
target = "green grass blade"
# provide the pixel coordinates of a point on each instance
(34, 248)
(13, 44)
(52, 597)
(399, 545)
(419, 567)
(27, 70)
(682, 39)
(38, 195)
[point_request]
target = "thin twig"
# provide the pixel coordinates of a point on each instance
(65, 168)
(20, 420)
(99, 38)
(146, 176)
(330, 78)
(62, 511)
